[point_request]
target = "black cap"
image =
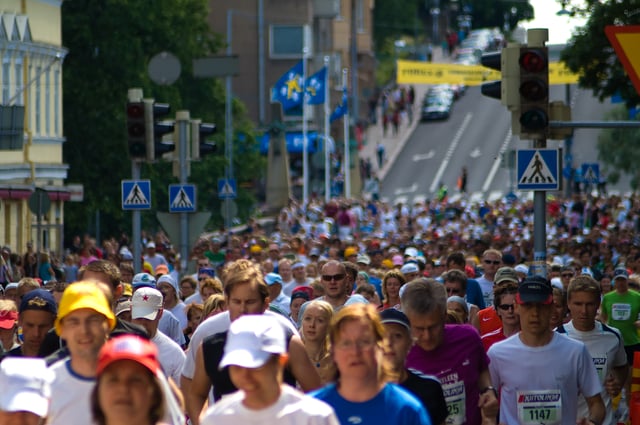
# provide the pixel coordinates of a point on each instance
(38, 299)
(535, 289)
(393, 315)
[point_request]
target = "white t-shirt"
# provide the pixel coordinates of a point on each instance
(606, 347)
(542, 384)
(213, 325)
(292, 408)
(170, 355)
(178, 311)
(70, 396)
(156, 260)
(487, 290)
(287, 288)
(170, 326)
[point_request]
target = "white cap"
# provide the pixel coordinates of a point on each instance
(26, 385)
(411, 252)
(521, 268)
(251, 341)
(410, 268)
(151, 245)
(145, 303)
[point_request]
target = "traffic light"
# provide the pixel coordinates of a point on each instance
(156, 129)
(199, 145)
(506, 62)
(136, 130)
(534, 92)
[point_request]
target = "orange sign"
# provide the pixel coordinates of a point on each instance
(625, 41)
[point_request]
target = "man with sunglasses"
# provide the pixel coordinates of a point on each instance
(333, 275)
(566, 274)
(491, 261)
(541, 374)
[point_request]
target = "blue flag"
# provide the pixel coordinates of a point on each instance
(342, 109)
(288, 89)
(316, 87)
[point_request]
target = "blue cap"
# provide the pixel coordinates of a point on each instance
(273, 278)
(143, 280)
(38, 299)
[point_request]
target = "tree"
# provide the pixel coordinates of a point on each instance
(110, 43)
(590, 54)
(618, 149)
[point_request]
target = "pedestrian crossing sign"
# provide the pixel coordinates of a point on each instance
(182, 198)
(136, 194)
(591, 173)
(227, 189)
(538, 169)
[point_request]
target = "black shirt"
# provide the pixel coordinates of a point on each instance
(428, 390)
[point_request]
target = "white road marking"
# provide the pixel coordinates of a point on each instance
(452, 147)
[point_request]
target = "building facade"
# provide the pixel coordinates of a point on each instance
(31, 133)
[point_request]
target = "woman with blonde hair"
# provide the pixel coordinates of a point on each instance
(315, 335)
(363, 391)
(391, 284)
(213, 305)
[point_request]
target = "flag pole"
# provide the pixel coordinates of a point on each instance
(327, 170)
(346, 159)
(305, 144)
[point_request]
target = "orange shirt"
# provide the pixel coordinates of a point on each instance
(488, 320)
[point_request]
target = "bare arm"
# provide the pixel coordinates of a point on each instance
(488, 402)
(596, 410)
(301, 366)
(198, 389)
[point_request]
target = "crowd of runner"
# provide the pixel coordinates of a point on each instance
(423, 314)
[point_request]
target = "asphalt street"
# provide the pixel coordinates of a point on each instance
(476, 136)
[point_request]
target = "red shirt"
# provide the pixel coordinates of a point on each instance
(488, 320)
(492, 337)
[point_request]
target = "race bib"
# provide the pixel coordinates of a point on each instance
(600, 362)
(454, 395)
(621, 311)
(539, 407)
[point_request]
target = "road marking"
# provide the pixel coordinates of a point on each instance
(452, 147)
(423, 156)
(409, 189)
(475, 153)
(497, 161)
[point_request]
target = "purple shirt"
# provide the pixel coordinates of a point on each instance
(457, 363)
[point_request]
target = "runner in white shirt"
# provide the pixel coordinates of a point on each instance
(256, 353)
(540, 373)
(146, 310)
(604, 343)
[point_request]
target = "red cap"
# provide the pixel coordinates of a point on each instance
(302, 288)
(8, 319)
(128, 347)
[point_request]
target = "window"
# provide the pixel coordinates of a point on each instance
(6, 78)
(56, 102)
(47, 102)
(18, 78)
(287, 41)
(37, 102)
(11, 127)
(359, 15)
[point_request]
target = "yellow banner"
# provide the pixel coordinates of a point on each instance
(412, 72)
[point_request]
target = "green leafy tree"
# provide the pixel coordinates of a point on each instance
(618, 149)
(590, 54)
(110, 44)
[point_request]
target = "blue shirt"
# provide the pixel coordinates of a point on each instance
(391, 402)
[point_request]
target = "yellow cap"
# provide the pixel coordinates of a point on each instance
(127, 290)
(255, 249)
(81, 295)
(350, 251)
(387, 263)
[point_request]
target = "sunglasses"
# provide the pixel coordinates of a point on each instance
(336, 277)
(453, 291)
(567, 275)
(506, 307)
(491, 262)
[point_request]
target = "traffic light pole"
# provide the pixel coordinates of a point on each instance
(183, 122)
(135, 95)
(539, 224)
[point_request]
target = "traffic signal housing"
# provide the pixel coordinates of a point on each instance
(200, 147)
(506, 62)
(136, 130)
(534, 92)
(156, 129)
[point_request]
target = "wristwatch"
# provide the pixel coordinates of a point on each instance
(489, 388)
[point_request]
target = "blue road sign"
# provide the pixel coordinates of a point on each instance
(136, 195)
(182, 198)
(227, 189)
(591, 173)
(538, 169)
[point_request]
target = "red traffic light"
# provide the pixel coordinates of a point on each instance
(533, 60)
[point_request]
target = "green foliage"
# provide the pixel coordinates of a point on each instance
(618, 149)
(590, 54)
(491, 13)
(394, 18)
(110, 44)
